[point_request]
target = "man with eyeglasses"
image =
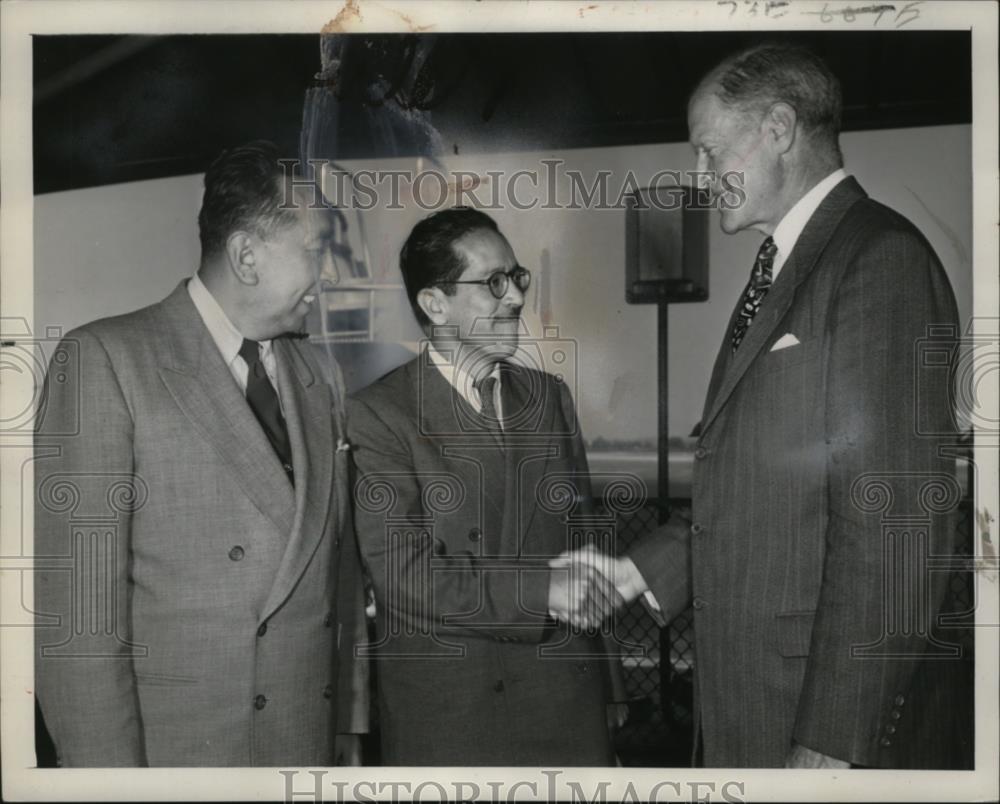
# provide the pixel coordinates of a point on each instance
(451, 449)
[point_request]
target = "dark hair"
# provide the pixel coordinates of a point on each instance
(428, 257)
(243, 190)
(757, 77)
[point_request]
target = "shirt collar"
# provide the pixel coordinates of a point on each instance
(227, 338)
(787, 232)
(459, 379)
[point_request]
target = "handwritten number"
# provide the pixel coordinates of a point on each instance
(909, 8)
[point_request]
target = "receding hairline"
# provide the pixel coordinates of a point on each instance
(743, 113)
(711, 87)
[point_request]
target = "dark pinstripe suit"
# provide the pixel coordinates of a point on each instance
(799, 448)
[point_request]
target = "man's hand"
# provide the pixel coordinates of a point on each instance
(620, 572)
(347, 749)
(580, 595)
(802, 757)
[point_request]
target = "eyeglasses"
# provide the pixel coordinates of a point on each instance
(499, 281)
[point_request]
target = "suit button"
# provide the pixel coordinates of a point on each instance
(328, 620)
(262, 630)
(900, 700)
(259, 702)
(696, 528)
(583, 667)
(896, 714)
(700, 454)
(287, 467)
(890, 729)
(498, 687)
(328, 692)
(475, 534)
(698, 603)
(237, 553)
(885, 742)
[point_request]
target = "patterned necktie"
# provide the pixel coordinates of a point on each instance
(757, 288)
(488, 410)
(264, 403)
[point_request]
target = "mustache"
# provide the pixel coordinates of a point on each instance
(485, 326)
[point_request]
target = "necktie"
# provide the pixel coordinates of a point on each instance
(757, 288)
(264, 403)
(488, 410)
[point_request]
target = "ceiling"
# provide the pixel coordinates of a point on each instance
(109, 109)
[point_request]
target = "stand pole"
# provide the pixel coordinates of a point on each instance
(663, 418)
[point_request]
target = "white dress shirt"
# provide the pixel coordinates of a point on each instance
(463, 382)
(787, 232)
(228, 338)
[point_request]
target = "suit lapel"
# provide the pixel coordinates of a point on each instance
(449, 421)
(203, 388)
(309, 414)
(529, 412)
(441, 412)
(798, 266)
(722, 359)
(448, 425)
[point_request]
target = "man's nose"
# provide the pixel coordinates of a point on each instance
(706, 176)
(514, 297)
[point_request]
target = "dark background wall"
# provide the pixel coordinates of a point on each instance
(111, 109)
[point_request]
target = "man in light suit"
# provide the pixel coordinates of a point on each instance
(821, 428)
(469, 462)
(198, 592)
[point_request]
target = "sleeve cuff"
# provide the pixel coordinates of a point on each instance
(649, 601)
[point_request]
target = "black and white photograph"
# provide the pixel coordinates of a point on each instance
(499, 401)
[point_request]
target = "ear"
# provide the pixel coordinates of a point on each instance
(435, 305)
(780, 121)
(242, 260)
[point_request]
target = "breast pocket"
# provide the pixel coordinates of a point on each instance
(164, 680)
(802, 353)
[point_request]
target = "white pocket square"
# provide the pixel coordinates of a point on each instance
(786, 340)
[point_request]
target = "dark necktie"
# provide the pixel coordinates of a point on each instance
(264, 403)
(488, 410)
(757, 288)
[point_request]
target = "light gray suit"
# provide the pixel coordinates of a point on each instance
(190, 601)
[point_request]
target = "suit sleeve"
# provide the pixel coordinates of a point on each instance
(354, 695)
(663, 557)
(400, 555)
(354, 687)
(84, 678)
(614, 677)
(577, 451)
(858, 669)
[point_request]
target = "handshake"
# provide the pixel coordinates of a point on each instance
(586, 586)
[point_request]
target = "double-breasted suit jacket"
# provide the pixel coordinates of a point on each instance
(456, 534)
(807, 457)
(190, 600)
